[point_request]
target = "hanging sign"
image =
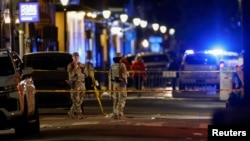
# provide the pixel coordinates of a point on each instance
(29, 12)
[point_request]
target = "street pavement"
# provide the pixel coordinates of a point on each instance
(136, 126)
(186, 127)
(133, 125)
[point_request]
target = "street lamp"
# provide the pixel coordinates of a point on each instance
(123, 17)
(143, 23)
(163, 29)
(171, 31)
(136, 21)
(64, 4)
(106, 13)
(155, 26)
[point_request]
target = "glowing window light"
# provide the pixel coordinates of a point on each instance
(17, 20)
(76, 33)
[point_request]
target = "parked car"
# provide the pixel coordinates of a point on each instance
(153, 61)
(50, 74)
(199, 69)
(18, 105)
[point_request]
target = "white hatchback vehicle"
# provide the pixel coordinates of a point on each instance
(18, 107)
(199, 69)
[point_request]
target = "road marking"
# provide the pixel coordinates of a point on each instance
(45, 125)
(203, 125)
(197, 134)
(85, 123)
(149, 124)
(53, 118)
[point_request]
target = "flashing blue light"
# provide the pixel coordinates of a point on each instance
(239, 23)
(215, 51)
(189, 52)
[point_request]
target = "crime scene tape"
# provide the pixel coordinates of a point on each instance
(97, 94)
(141, 91)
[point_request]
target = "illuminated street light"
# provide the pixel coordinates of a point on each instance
(123, 17)
(106, 13)
(64, 4)
(171, 31)
(136, 21)
(145, 43)
(143, 23)
(163, 29)
(155, 26)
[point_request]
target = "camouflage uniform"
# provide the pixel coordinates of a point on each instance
(118, 71)
(77, 78)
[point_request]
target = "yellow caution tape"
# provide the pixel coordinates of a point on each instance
(141, 91)
(97, 94)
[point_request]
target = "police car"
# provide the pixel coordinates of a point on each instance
(199, 69)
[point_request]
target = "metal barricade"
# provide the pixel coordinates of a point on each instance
(194, 84)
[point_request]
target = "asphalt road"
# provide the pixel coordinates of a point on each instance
(147, 119)
(60, 127)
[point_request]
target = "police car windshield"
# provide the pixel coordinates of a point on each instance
(7, 68)
(201, 59)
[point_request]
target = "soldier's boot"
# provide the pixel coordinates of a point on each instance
(71, 114)
(121, 116)
(80, 115)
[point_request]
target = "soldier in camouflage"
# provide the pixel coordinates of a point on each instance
(118, 73)
(77, 73)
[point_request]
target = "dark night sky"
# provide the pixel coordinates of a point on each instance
(197, 22)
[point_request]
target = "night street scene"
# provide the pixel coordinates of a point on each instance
(122, 70)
